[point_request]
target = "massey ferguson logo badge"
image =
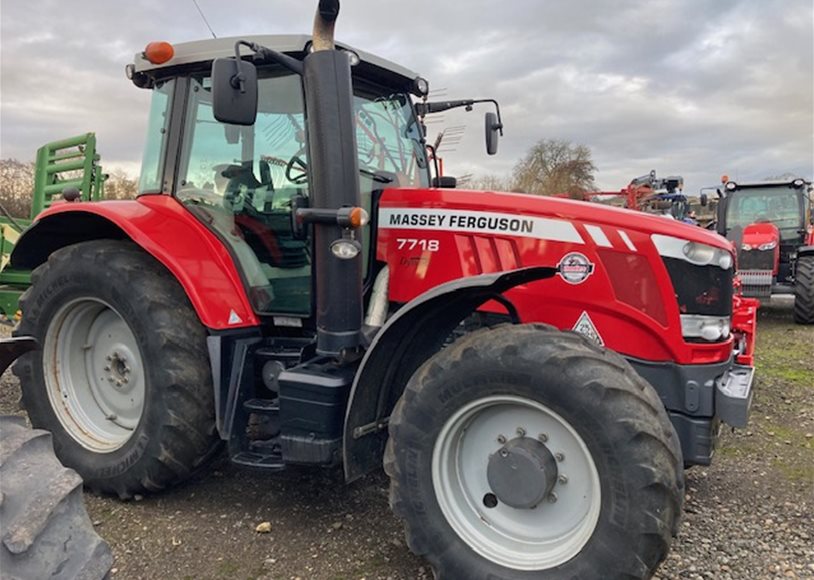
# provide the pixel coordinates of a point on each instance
(575, 268)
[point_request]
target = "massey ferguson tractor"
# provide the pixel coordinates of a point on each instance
(771, 226)
(289, 283)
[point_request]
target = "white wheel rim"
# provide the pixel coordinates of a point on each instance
(94, 374)
(522, 539)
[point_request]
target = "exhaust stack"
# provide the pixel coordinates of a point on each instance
(334, 184)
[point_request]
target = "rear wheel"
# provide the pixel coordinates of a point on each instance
(804, 290)
(122, 380)
(46, 532)
(525, 452)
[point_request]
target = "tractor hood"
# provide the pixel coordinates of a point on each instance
(760, 236)
(562, 210)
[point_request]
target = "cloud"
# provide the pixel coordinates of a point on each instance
(685, 87)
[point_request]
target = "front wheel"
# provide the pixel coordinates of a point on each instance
(804, 290)
(523, 452)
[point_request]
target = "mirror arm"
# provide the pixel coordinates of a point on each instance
(238, 81)
(263, 54)
(268, 54)
(440, 106)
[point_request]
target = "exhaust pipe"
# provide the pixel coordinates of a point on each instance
(324, 21)
(334, 182)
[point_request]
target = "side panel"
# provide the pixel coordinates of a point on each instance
(167, 231)
(620, 292)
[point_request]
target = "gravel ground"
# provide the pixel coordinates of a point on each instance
(750, 515)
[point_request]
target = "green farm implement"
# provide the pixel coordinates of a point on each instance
(64, 169)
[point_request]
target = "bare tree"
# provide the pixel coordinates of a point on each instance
(491, 182)
(555, 166)
(17, 186)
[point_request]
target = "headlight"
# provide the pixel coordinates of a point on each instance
(699, 254)
(709, 328)
(346, 249)
(768, 245)
(692, 252)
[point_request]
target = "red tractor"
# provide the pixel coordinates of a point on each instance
(771, 225)
(289, 283)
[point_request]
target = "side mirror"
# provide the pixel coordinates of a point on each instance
(445, 182)
(234, 91)
(704, 200)
(492, 129)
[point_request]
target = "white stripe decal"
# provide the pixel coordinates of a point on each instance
(600, 239)
(627, 241)
(452, 220)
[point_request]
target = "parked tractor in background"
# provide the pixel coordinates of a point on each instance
(288, 283)
(68, 168)
(771, 225)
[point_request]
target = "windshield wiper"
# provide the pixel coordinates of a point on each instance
(376, 176)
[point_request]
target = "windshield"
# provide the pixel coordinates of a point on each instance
(777, 205)
(388, 138)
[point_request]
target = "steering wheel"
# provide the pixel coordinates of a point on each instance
(297, 164)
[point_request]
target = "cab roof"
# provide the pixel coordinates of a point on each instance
(204, 51)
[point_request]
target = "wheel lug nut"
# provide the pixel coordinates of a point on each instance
(559, 456)
(504, 453)
(118, 383)
(552, 497)
(111, 417)
(543, 437)
(107, 368)
(108, 357)
(125, 380)
(521, 432)
(501, 439)
(563, 479)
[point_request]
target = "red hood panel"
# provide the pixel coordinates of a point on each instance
(760, 233)
(562, 209)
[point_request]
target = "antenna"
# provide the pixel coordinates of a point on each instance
(204, 18)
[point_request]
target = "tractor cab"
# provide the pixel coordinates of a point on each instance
(768, 222)
(244, 180)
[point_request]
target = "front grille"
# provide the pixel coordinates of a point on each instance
(756, 260)
(756, 283)
(703, 290)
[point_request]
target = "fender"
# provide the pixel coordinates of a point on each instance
(416, 332)
(164, 228)
(806, 250)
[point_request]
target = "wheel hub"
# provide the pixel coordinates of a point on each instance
(117, 370)
(522, 473)
(94, 374)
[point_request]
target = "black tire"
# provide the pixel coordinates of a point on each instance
(175, 434)
(618, 415)
(804, 290)
(46, 532)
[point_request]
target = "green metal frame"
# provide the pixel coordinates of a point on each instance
(74, 156)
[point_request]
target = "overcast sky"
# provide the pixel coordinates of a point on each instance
(690, 87)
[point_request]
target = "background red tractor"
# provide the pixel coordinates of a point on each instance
(288, 283)
(771, 226)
